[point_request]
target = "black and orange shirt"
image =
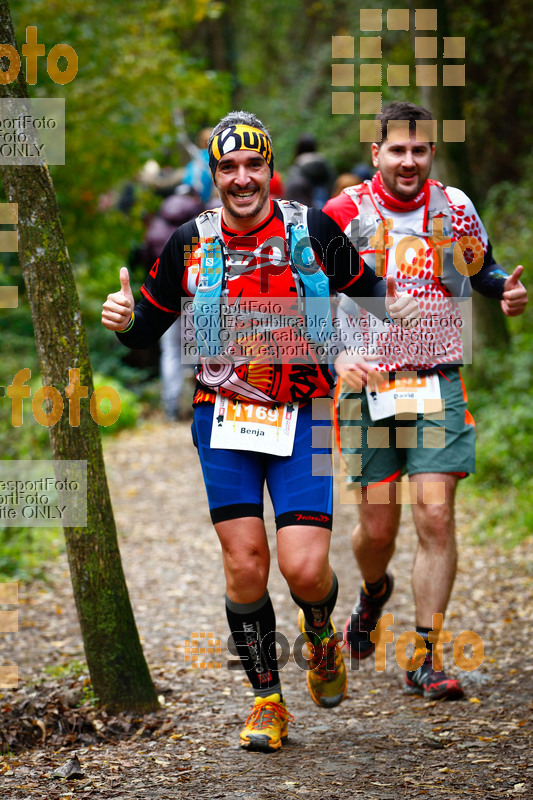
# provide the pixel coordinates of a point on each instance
(257, 269)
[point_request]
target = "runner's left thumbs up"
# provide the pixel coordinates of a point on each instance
(125, 285)
(118, 308)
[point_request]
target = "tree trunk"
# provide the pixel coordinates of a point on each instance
(118, 670)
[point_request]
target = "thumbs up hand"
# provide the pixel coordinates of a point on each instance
(401, 306)
(514, 299)
(118, 308)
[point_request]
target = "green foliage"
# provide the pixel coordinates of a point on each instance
(30, 440)
(77, 670)
(24, 552)
(499, 71)
(134, 68)
(70, 669)
(503, 405)
(130, 405)
(89, 697)
(507, 215)
(503, 483)
(139, 61)
(294, 95)
(504, 516)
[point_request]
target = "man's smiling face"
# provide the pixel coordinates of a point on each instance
(404, 166)
(243, 181)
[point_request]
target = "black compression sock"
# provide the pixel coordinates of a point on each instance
(424, 633)
(253, 628)
(317, 615)
(377, 588)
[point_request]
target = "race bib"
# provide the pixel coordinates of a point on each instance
(382, 399)
(249, 426)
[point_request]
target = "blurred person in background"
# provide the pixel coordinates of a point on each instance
(310, 177)
(197, 174)
(173, 212)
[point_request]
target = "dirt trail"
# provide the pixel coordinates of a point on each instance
(378, 744)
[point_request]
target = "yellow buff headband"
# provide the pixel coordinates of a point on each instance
(240, 137)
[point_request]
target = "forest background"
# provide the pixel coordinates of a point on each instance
(140, 61)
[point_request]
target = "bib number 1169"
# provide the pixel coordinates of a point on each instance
(252, 413)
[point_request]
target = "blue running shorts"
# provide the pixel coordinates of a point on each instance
(300, 485)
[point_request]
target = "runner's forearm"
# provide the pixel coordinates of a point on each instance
(148, 326)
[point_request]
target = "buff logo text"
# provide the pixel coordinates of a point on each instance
(241, 137)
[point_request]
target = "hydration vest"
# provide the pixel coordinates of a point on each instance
(311, 282)
(365, 225)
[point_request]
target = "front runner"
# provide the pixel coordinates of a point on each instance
(247, 257)
(396, 213)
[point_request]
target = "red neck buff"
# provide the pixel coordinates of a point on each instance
(390, 200)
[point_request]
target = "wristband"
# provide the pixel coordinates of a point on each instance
(129, 326)
(499, 273)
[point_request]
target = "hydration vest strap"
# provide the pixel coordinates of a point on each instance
(206, 302)
(311, 281)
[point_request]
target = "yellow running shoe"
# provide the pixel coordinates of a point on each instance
(326, 674)
(267, 724)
